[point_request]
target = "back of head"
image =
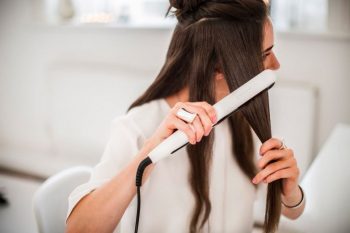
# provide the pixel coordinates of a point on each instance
(224, 35)
(221, 35)
(190, 11)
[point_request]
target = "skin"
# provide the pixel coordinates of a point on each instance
(112, 198)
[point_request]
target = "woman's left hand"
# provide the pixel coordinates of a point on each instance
(278, 162)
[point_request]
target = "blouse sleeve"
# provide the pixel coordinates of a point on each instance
(124, 143)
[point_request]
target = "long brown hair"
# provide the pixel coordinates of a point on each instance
(225, 35)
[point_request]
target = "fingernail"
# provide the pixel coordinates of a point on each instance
(254, 180)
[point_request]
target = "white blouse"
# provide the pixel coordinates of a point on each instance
(167, 200)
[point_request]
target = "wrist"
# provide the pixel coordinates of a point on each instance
(294, 199)
(292, 194)
(142, 155)
(148, 145)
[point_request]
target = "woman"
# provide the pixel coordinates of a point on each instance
(210, 185)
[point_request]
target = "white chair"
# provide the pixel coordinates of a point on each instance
(51, 200)
(327, 189)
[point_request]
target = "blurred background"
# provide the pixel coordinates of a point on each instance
(68, 67)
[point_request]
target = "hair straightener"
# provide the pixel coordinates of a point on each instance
(224, 108)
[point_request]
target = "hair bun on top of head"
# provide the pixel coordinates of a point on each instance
(186, 5)
(189, 11)
(185, 8)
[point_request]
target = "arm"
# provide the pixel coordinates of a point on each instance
(293, 199)
(278, 162)
(102, 209)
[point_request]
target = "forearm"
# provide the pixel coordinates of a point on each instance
(291, 200)
(102, 209)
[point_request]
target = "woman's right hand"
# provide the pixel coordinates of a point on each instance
(201, 125)
(81, 218)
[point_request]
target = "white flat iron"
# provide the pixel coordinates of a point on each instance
(224, 108)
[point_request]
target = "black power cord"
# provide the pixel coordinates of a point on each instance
(141, 168)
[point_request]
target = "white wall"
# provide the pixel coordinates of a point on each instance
(322, 61)
(32, 56)
(29, 52)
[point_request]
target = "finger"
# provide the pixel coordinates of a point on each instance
(271, 168)
(281, 174)
(179, 124)
(272, 143)
(208, 108)
(205, 120)
(201, 113)
(199, 129)
(272, 155)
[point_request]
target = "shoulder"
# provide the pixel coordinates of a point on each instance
(129, 131)
(144, 119)
(127, 135)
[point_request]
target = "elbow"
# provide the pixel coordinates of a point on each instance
(73, 226)
(70, 227)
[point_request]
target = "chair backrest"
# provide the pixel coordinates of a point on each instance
(327, 189)
(51, 200)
